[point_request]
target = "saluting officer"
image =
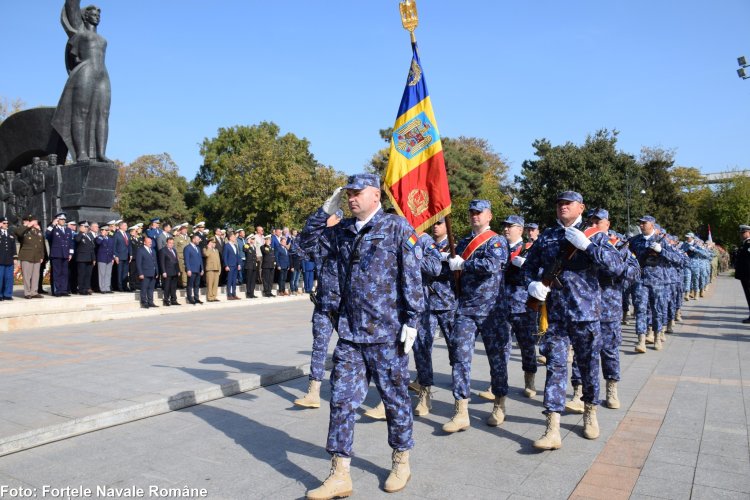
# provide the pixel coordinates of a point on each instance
(60, 252)
(7, 260)
(573, 307)
(381, 300)
(31, 255)
(481, 257)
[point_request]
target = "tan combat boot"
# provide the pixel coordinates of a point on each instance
(658, 341)
(312, 398)
(497, 416)
(400, 472)
(460, 419)
(650, 336)
(701, 292)
(590, 425)
(377, 413)
(487, 394)
(641, 346)
(528, 381)
(338, 484)
(424, 405)
(575, 405)
(551, 439)
(670, 326)
(678, 316)
(625, 318)
(612, 401)
(415, 386)
(686, 297)
(692, 295)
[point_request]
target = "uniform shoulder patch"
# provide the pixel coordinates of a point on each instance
(411, 241)
(418, 253)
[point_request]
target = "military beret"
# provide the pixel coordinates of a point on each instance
(570, 196)
(361, 181)
(647, 218)
(600, 213)
(514, 220)
(480, 205)
(531, 225)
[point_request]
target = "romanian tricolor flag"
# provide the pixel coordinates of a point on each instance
(416, 180)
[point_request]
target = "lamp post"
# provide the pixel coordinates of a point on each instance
(742, 63)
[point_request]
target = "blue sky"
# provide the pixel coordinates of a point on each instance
(333, 71)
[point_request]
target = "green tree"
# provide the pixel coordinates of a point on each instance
(147, 168)
(474, 171)
(596, 169)
(261, 177)
(729, 208)
(146, 197)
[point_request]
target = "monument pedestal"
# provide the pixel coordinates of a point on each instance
(87, 191)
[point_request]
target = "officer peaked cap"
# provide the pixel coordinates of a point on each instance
(61, 215)
(744, 228)
(361, 181)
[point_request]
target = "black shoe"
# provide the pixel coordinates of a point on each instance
(144, 306)
(44, 292)
(166, 304)
(746, 321)
(175, 303)
(152, 305)
(198, 301)
(109, 291)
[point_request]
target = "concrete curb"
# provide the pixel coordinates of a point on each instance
(138, 411)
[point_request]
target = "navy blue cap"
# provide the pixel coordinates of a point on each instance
(361, 181)
(156, 219)
(647, 218)
(570, 196)
(600, 213)
(531, 225)
(480, 205)
(514, 220)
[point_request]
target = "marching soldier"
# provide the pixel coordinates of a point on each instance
(532, 231)
(571, 260)
(481, 257)
(381, 300)
(31, 255)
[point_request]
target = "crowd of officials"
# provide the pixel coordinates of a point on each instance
(86, 257)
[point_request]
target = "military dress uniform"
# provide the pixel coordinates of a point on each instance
(574, 310)
(136, 243)
(31, 255)
(381, 298)
(742, 267)
(60, 252)
(180, 242)
(84, 257)
(7, 258)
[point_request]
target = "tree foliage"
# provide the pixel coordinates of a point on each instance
(474, 171)
(730, 207)
(262, 177)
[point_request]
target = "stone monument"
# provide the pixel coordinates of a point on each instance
(33, 141)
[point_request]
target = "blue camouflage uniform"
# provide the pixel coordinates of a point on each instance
(612, 288)
(675, 273)
(482, 309)
(431, 268)
(381, 290)
(326, 307)
(574, 310)
(650, 305)
(441, 301)
(522, 321)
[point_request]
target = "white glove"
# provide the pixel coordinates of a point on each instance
(408, 336)
(456, 263)
(518, 261)
(656, 247)
(444, 256)
(334, 202)
(538, 290)
(577, 238)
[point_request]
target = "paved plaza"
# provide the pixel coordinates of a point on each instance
(681, 432)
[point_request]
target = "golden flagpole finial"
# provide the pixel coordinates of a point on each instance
(409, 17)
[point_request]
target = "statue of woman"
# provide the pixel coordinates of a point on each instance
(82, 116)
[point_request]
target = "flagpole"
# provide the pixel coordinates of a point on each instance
(410, 21)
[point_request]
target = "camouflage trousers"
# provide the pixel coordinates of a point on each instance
(674, 299)
(524, 326)
(650, 308)
(703, 276)
(495, 336)
(425, 336)
(687, 278)
(695, 278)
(587, 343)
(611, 332)
(322, 330)
(628, 296)
(354, 365)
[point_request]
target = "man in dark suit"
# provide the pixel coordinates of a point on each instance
(742, 265)
(85, 256)
(60, 252)
(170, 270)
(122, 257)
(232, 265)
(194, 268)
(148, 267)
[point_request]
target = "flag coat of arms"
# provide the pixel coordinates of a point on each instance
(416, 180)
